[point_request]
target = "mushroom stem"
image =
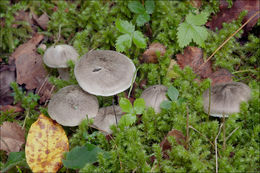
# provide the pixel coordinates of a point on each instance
(224, 132)
(114, 109)
(64, 73)
(209, 102)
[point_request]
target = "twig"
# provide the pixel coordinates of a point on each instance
(232, 133)
(43, 83)
(216, 148)
(202, 135)
(232, 35)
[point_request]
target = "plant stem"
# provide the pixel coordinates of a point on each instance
(231, 133)
(232, 35)
(216, 148)
(209, 102)
(187, 130)
(242, 71)
(224, 132)
(27, 114)
(132, 83)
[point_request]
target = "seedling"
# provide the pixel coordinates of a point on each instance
(173, 95)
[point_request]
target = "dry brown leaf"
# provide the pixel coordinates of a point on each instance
(15, 108)
(228, 14)
(7, 75)
(150, 55)
(179, 137)
(221, 76)
(12, 137)
(196, 3)
(193, 57)
(45, 145)
(42, 21)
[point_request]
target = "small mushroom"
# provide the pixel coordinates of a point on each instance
(225, 99)
(104, 72)
(57, 57)
(70, 105)
(154, 96)
(106, 117)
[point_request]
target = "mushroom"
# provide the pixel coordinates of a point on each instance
(106, 117)
(224, 99)
(154, 96)
(70, 105)
(57, 57)
(104, 72)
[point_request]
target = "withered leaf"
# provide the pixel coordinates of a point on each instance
(7, 75)
(228, 14)
(12, 137)
(193, 57)
(45, 145)
(150, 55)
(221, 76)
(14, 108)
(42, 21)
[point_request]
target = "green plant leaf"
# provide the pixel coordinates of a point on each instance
(199, 19)
(139, 105)
(173, 93)
(166, 104)
(136, 7)
(124, 26)
(78, 157)
(142, 19)
(123, 42)
(200, 34)
(149, 6)
(139, 40)
(125, 105)
(14, 158)
(127, 120)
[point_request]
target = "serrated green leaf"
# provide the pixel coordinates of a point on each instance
(200, 34)
(199, 19)
(184, 35)
(14, 159)
(125, 105)
(123, 42)
(142, 19)
(127, 120)
(173, 93)
(78, 157)
(166, 104)
(136, 7)
(139, 40)
(139, 105)
(125, 26)
(149, 6)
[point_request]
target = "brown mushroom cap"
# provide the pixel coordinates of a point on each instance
(70, 105)
(226, 98)
(57, 56)
(154, 96)
(106, 117)
(104, 72)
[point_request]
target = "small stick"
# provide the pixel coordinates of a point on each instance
(232, 133)
(202, 135)
(216, 148)
(232, 35)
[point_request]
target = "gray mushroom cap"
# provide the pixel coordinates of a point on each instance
(104, 72)
(106, 117)
(154, 96)
(57, 56)
(70, 105)
(226, 98)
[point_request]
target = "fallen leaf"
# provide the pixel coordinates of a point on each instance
(221, 76)
(165, 144)
(193, 57)
(228, 14)
(7, 75)
(12, 137)
(11, 108)
(150, 55)
(42, 21)
(196, 3)
(45, 145)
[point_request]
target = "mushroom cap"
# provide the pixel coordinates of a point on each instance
(104, 72)
(57, 56)
(70, 105)
(226, 98)
(154, 96)
(106, 117)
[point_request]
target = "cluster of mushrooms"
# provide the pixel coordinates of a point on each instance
(107, 73)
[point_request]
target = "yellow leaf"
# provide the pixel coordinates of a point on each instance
(45, 145)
